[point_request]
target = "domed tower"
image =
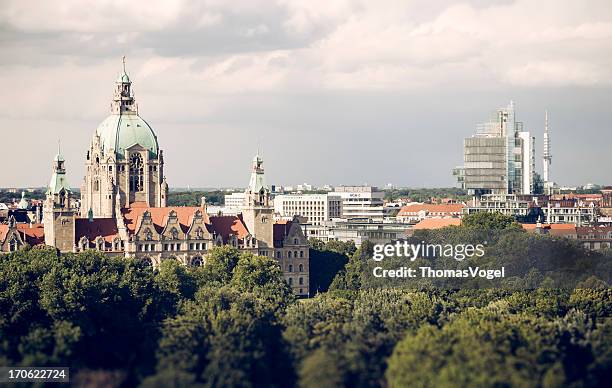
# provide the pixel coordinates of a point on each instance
(123, 160)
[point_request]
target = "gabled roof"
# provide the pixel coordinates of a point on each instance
(225, 226)
(159, 216)
(33, 234)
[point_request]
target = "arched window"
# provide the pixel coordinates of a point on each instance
(148, 234)
(289, 254)
(199, 233)
(62, 198)
(136, 173)
(295, 241)
(147, 262)
(301, 281)
(290, 281)
(197, 261)
(13, 244)
(174, 234)
(290, 268)
(96, 185)
(301, 267)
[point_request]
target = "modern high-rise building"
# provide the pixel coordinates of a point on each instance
(499, 158)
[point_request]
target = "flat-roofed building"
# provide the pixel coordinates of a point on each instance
(507, 204)
(361, 202)
(234, 200)
(316, 208)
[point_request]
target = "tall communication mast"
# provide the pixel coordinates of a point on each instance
(547, 156)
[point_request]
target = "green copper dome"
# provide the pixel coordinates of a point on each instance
(121, 131)
(123, 78)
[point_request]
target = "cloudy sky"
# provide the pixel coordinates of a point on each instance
(338, 92)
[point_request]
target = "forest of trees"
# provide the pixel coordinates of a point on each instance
(234, 322)
(194, 198)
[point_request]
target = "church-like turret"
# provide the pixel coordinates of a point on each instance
(258, 210)
(58, 209)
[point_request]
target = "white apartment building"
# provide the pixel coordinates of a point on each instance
(361, 202)
(315, 207)
(507, 204)
(357, 231)
(570, 212)
(234, 200)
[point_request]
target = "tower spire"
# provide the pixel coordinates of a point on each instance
(123, 60)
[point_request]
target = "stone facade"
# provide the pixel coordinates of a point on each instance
(123, 206)
(123, 161)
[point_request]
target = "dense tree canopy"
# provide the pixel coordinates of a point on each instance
(234, 321)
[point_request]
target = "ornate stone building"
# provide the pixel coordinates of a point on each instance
(123, 206)
(123, 161)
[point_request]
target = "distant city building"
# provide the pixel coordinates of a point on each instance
(595, 237)
(361, 202)
(315, 207)
(499, 158)
(433, 223)
(507, 204)
(304, 187)
(417, 212)
(234, 200)
(553, 230)
(358, 231)
(570, 211)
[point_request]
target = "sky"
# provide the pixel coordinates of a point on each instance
(329, 92)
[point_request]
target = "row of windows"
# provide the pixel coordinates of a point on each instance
(290, 254)
(300, 268)
(300, 281)
(201, 246)
(173, 247)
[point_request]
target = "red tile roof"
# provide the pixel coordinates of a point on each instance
(3, 230)
(33, 234)
(159, 215)
(437, 223)
(553, 229)
(448, 208)
(227, 226)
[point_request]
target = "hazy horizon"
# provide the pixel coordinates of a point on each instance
(345, 92)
